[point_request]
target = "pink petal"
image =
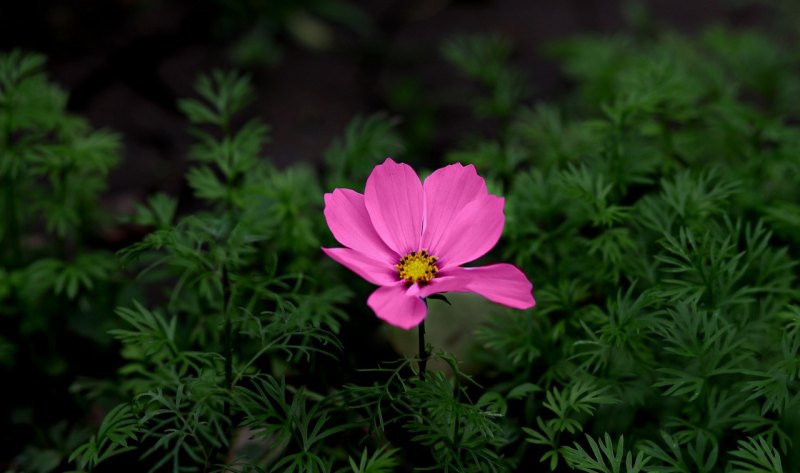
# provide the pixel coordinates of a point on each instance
(472, 233)
(391, 304)
(393, 197)
(373, 271)
(447, 191)
(349, 222)
(501, 283)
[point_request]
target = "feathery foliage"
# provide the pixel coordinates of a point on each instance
(654, 206)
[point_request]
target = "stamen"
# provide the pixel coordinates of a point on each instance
(417, 267)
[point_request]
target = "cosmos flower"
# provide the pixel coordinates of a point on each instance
(411, 238)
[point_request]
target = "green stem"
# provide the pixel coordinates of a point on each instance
(12, 222)
(61, 194)
(12, 218)
(228, 343)
(456, 427)
(423, 354)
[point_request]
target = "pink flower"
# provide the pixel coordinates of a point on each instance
(411, 239)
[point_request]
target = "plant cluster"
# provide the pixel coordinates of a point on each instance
(655, 209)
(57, 279)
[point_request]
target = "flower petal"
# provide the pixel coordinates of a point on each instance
(472, 233)
(391, 304)
(350, 224)
(393, 197)
(447, 191)
(501, 283)
(373, 271)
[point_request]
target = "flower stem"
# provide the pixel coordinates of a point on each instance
(423, 354)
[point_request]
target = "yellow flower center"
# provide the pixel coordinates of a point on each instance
(417, 267)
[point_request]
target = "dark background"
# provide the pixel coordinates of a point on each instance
(125, 63)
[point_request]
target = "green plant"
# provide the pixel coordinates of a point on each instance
(654, 207)
(54, 281)
(666, 269)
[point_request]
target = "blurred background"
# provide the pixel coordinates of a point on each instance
(315, 63)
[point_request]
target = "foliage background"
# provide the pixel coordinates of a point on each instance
(651, 183)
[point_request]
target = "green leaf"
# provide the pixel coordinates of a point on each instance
(756, 455)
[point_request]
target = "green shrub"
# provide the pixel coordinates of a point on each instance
(655, 209)
(57, 285)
